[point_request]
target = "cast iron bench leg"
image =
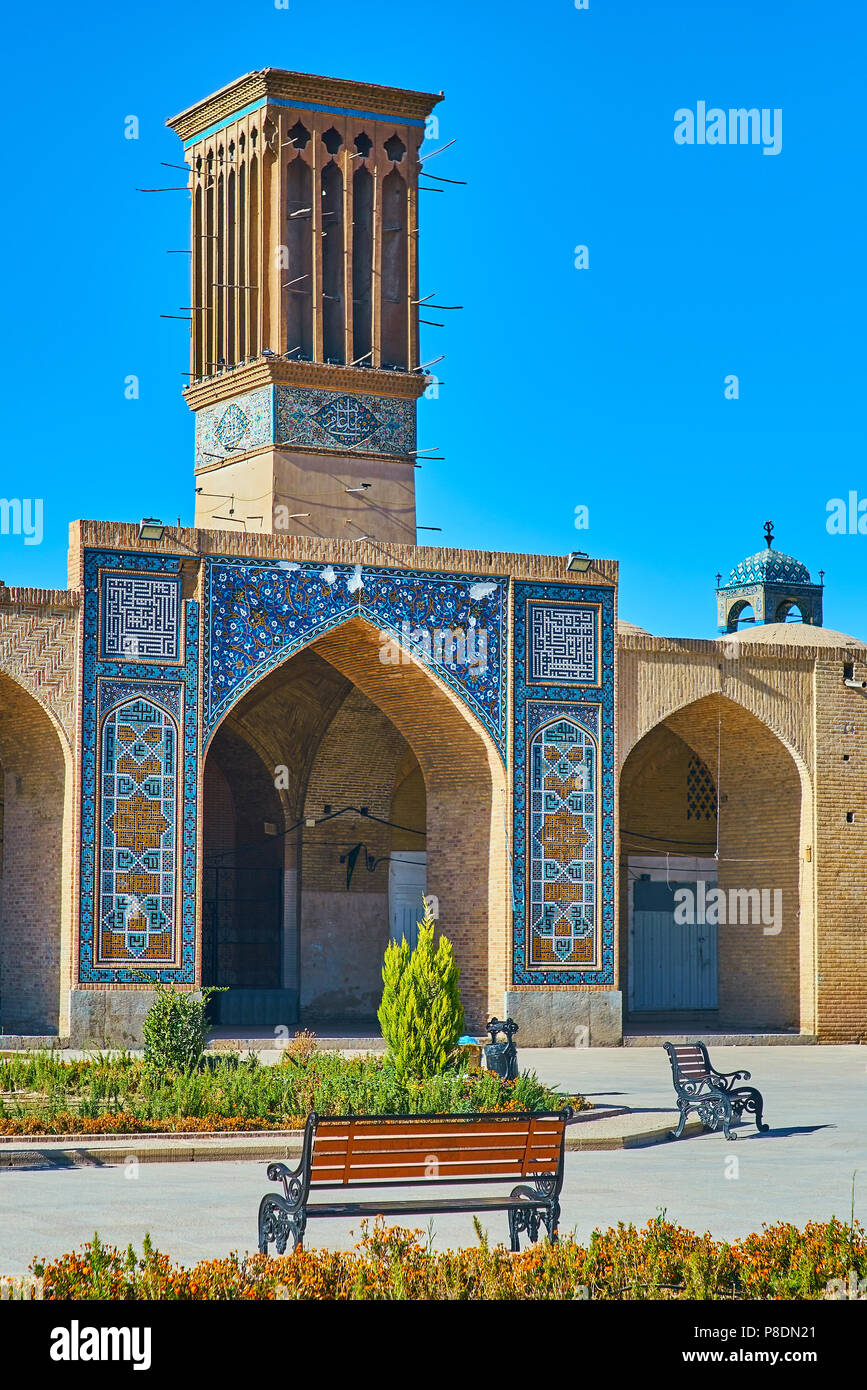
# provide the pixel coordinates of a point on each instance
(277, 1222)
(682, 1106)
(551, 1217)
(747, 1100)
(522, 1217)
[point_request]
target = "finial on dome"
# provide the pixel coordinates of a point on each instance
(769, 533)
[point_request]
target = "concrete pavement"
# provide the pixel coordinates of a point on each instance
(815, 1103)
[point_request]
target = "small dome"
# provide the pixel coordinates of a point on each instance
(769, 567)
(792, 635)
(623, 627)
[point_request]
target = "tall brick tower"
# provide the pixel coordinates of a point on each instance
(304, 371)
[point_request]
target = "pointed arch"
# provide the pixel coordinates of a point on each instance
(754, 851)
(463, 772)
(36, 877)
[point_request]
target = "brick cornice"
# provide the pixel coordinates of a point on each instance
(323, 376)
(641, 642)
(188, 541)
(285, 86)
(38, 598)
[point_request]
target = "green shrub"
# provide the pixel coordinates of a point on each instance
(175, 1029)
(87, 1095)
(421, 1014)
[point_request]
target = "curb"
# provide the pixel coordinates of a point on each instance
(117, 1156)
(39, 1152)
(639, 1139)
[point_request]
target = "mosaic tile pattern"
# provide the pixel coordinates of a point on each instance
(563, 816)
(563, 868)
(138, 813)
(304, 417)
(140, 618)
(563, 644)
(245, 423)
(138, 834)
(329, 420)
(769, 566)
(259, 614)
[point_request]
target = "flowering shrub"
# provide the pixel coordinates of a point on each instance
(661, 1261)
(64, 1122)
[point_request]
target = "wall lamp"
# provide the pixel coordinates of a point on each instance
(578, 562)
(150, 529)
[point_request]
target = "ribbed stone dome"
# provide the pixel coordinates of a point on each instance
(770, 567)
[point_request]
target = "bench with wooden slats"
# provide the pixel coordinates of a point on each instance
(713, 1094)
(427, 1153)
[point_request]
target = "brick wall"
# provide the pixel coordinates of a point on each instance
(465, 785)
(841, 852)
(345, 930)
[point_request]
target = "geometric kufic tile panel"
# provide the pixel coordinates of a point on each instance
(140, 618)
(563, 642)
(563, 845)
(138, 843)
(563, 814)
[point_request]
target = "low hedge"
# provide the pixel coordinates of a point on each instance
(661, 1261)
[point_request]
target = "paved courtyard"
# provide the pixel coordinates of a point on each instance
(815, 1103)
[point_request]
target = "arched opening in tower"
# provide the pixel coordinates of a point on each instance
(789, 611)
(362, 265)
(299, 274)
(741, 614)
(395, 309)
(333, 296)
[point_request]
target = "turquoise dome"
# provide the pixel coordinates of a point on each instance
(770, 567)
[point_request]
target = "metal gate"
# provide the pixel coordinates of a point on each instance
(242, 942)
(672, 965)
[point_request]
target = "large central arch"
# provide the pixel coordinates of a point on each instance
(338, 716)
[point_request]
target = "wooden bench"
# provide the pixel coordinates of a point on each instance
(712, 1093)
(426, 1152)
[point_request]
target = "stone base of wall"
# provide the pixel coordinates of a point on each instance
(566, 1018)
(108, 1017)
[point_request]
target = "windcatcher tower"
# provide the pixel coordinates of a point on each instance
(304, 371)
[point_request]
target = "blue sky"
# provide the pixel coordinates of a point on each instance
(562, 387)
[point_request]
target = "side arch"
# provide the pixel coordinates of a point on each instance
(668, 710)
(36, 877)
(758, 841)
